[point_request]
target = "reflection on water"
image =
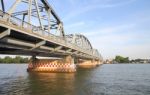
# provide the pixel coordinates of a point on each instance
(51, 83)
(125, 79)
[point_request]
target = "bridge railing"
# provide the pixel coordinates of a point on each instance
(19, 23)
(27, 26)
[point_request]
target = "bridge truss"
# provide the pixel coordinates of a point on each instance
(32, 27)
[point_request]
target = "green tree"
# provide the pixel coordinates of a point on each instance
(121, 59)
(7, 59)
(17, 59)
(1, 60)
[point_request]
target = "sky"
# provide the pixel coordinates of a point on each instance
(114, 27)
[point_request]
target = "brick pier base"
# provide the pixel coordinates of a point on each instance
(65, 65)
(89, 63)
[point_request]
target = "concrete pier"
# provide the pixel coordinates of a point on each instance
(88, 63)
(65, 65)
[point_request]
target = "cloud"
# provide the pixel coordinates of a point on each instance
(129, 39)
(131, 45)
(108, 30)
(89, 7)
(135, 22)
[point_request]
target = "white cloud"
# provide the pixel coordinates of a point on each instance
(89, 7)
(108, 30)
(113, 45)
(126, 40)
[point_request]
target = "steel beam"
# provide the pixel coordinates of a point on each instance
(62, 51)
(38, 45)
(19, 42)
(49, 14)
(23, 18)
(3, 7)
(52, 11)
(69, 50)
(10, 11)
(47, 48)
(5, 33)
(29, 11)
(33, 3)
(58, 48)
(76, 52)
(25, 12)
(38, 12)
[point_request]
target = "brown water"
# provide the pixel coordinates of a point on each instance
(115, 79)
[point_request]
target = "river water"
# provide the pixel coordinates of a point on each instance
(108, 79)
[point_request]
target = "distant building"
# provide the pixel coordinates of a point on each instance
(140, 61)
(108, 61)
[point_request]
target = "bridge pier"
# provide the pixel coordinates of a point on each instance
(65, 65)
(88, 63)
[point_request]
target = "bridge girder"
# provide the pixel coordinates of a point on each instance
(79, 40)
(82, 42)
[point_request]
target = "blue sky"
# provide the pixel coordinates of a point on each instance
(114, 27)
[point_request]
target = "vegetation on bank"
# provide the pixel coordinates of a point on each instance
(17, 59)
(120, 59)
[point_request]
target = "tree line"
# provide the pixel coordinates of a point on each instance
(17, 59)
(120, 59)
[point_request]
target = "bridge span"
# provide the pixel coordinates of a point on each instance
(32, 27)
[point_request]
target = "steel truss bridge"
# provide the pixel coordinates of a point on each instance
(32, 27)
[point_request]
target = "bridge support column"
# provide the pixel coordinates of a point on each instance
(52, 65)
(88, 63)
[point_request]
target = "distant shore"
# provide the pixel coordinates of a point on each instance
(14, 60)
(126, 63)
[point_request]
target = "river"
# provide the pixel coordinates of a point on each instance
(108, 79)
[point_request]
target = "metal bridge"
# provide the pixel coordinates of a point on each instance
(31, 27)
